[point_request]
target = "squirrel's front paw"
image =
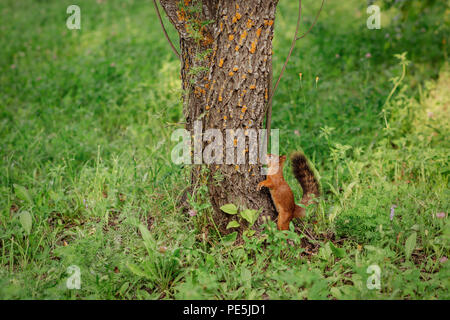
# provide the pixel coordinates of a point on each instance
(260, 185)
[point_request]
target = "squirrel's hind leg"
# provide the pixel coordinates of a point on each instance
(299, 212)
(284, 218)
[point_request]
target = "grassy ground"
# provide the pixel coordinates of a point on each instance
(86, 177)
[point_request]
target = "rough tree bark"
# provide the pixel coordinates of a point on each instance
(226, 70)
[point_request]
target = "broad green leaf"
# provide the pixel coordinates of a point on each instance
(22, 193)
(229, 208)
(136, 270)
(148, 240)
(249, 233)
(325, 252)
(209, 259)
(26, 221)
(374, 249)
(246, 275)
(233, 224)
(229, 239)
(338, 252)
(250, 215)
(410, 244)
(335, 292)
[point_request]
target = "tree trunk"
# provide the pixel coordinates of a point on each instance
(226, 61)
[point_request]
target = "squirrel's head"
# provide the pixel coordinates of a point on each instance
(274, 163)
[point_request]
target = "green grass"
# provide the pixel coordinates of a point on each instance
(85, 124)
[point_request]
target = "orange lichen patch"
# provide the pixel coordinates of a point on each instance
(236, 167)
(221, 26)
(207, 107)
(207, 40)
(244, 108)
(236, 48)
(235, 69)
(258, 32)
(206, 85)
(252, 87)
(234, 20)
(224, 117)
(268, 22)
(231, 37)
(241, 117)
(243, 36)
(253, 46)
(186, 2)
(235, 142)
(220, 65)
(244, 76)
(231, 73)
(181, 15)
(249, 23)
(237, 6)
(266, 95)
(220, 98)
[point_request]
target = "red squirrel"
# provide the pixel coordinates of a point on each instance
(280, 191)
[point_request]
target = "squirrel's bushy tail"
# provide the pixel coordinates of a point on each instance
(308, 181)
